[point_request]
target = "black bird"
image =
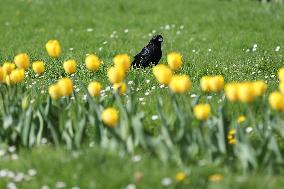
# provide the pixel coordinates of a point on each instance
(151, 54)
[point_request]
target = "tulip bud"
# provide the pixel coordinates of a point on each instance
(38, 67)
(2, 74)
(8, 68)
(120, 88)
(259, 88)
(17, 76)
(115, 75)
(163, 74)
(281, 87)
(202, 111)
(122, 61)
(22, 61)
(174, 60)
(110, 117)
(65, 86)
(204, 83)
(231, 91)
(54, 91)
(281, 74)
(53, 48)
(216, 83)
(246, 92)
(180, 84)
(276, 101)
(70, 66)
(94, 88)
(92, 62)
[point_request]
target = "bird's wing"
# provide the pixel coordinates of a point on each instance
(142, 53)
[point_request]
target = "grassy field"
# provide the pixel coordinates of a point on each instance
(239, 39)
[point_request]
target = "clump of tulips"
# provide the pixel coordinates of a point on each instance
(190, 126)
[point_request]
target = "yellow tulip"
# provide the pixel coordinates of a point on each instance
(53, 48)
(8, 80)
(231, 91)
(241, 119)
(110, 117)
(8, 67)
(216, 178)
(174, 60)
(232, 136)
(216, 83)
(70, 66)
(92, 62)
(281, 74)
(259, 88)
(246, 92)
(2, 74)
(204, 83)
(122, 61)
(281, 87)
(180, 84)
(65, 86)
(22, 61)
(276, 101)
(202, 111)
(54, 91)
(94, 88)
(162, 73)
(17, 76)
(120, 88)
(38, 67)
(180, 177)
(115, 75)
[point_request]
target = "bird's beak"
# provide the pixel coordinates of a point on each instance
(160, 40)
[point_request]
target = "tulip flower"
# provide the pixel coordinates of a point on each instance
(276, 101)
(180, 176)
(202, 111)
(110, 117)
(115, 75)
(94, 88)
(17, 76)
(246, 92)
(232, 137)
(281, 74)
(8, 67)
(122, 61)
(54, 91)
(2, 74)
(53, 48)
(174, 60)
(70, 66)
(281, 87)
(65, 86)
(163, 74)
(120, 88)
(22, 61)
(204, 83)
(216, 83)
(180, 84)
(38, 67)
(241, 119)
(231, 91)
(92, 62)
(259, 88)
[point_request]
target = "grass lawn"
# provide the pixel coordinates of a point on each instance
(239, 39)
(91, 168)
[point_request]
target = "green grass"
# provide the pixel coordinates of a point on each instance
(228, 28)
(92, 168)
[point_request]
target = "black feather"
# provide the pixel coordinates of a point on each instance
(149, 55)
